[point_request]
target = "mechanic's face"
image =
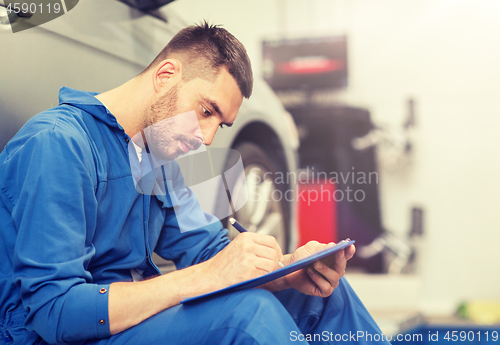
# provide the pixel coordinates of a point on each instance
(189, 114)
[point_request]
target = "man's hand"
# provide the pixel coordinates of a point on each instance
(321, 278)
(249, 255)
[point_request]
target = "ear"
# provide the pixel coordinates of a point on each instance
(168, 73)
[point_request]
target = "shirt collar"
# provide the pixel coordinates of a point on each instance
(87, 102)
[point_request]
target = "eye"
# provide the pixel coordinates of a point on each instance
(206, 112)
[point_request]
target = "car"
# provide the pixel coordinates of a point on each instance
(99, 45)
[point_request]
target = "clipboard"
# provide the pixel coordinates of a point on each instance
(266, 278)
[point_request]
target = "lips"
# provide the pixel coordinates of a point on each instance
(189, 144)
(185, 148)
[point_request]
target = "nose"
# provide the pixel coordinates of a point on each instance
(209, 134)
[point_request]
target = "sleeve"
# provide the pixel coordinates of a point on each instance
(189, 235)
(54, 210)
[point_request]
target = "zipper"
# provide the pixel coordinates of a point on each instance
(147, 202)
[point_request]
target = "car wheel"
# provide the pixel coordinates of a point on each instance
(266, 211)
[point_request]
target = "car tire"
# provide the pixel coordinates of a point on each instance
(266, 211)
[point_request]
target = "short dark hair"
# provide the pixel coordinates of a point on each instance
(204, 49)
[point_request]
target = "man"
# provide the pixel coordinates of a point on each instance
(77, 230)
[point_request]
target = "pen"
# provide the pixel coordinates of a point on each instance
(240, 228)
(237, 225)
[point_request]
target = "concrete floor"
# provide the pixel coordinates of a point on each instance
(392, 300)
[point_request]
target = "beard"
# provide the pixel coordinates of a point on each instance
(163, 130)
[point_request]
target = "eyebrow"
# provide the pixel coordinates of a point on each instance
(217, 110)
